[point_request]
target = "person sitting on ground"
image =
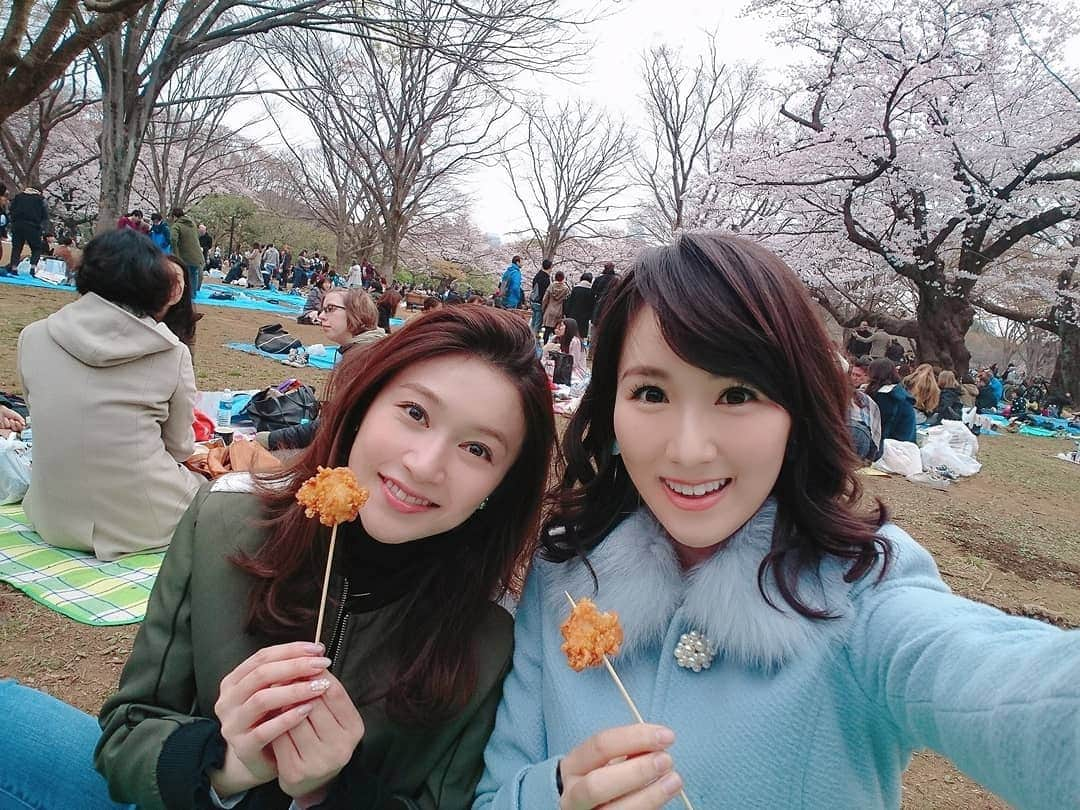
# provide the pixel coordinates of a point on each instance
(108, 474)
(897, 406)
(226, 702)
(860, 372)
(554, 301)
(314, 303)
(182, 317)
(300, 272)
(71, 256)
(996, 384)
(864, 416)
(987, 400)
(387, 305)
(969, 390)
(349, 318)
(922, 383)
(566, 340)
(950, 404)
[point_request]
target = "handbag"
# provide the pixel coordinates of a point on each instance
(272, 409)
(274, 339)
(564, 368)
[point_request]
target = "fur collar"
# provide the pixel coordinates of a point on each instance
(640, 578)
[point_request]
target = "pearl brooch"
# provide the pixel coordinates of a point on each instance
(694, 651)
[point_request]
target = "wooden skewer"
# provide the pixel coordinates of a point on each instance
(626, 696)
(325, 584)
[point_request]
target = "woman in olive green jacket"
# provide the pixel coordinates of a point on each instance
(225, 700)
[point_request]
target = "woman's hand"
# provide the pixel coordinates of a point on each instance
(266, 696)
(625, 767)
(10, 420)
(313, 753)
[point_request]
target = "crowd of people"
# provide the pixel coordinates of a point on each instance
(706, 490)
(892, 395)
(706, 493)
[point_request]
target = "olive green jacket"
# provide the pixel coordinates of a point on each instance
(161, 738)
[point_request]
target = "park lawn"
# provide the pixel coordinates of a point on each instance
(1010, 537)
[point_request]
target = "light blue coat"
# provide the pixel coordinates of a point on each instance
(793, 713)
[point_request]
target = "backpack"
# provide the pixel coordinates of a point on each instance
(274, 339)
(564, 368)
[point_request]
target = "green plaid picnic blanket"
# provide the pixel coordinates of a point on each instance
(74, 583)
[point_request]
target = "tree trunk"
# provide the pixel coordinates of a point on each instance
(943, 322)
(123, 128)
(1067, 366)
(388, 259)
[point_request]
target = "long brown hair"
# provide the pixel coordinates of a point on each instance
(432, 638)
(732, 308)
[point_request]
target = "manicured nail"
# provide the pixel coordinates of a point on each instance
(315, 649)
(665, 736)
(320, 685)
(671, 784)
(319, 663)
(305, 710)
(662, 763)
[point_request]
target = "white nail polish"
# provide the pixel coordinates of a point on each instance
(320, 685)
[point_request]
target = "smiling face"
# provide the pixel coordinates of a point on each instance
(429, 455)
(332, 318)
(704, 452)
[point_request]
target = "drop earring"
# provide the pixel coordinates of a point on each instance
(483, 503)
(615, 447)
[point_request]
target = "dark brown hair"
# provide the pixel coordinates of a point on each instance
(180, 317)
(570, 331)
(732, 308)
(432, 639)
(881, 372)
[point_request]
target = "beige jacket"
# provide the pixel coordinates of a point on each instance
(112, 399)
(552, 305)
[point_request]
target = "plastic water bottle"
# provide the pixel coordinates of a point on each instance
(26, 436)
(224, 409)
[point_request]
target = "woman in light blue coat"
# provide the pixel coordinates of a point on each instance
(787, 646)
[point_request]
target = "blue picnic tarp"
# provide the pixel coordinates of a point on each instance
(322, 361)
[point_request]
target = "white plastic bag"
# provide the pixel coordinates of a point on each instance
(14, 470)
(952, 445)
(938, 453)
(899, 457)
(958, 437)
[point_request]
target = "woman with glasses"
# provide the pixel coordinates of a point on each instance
(349, 318)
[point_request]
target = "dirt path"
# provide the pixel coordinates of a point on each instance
(1010, 537)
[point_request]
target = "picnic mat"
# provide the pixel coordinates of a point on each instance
(243, 298)
(279, 303)
(324, 361)
(74, 583)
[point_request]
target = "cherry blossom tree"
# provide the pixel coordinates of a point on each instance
(923, 141)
